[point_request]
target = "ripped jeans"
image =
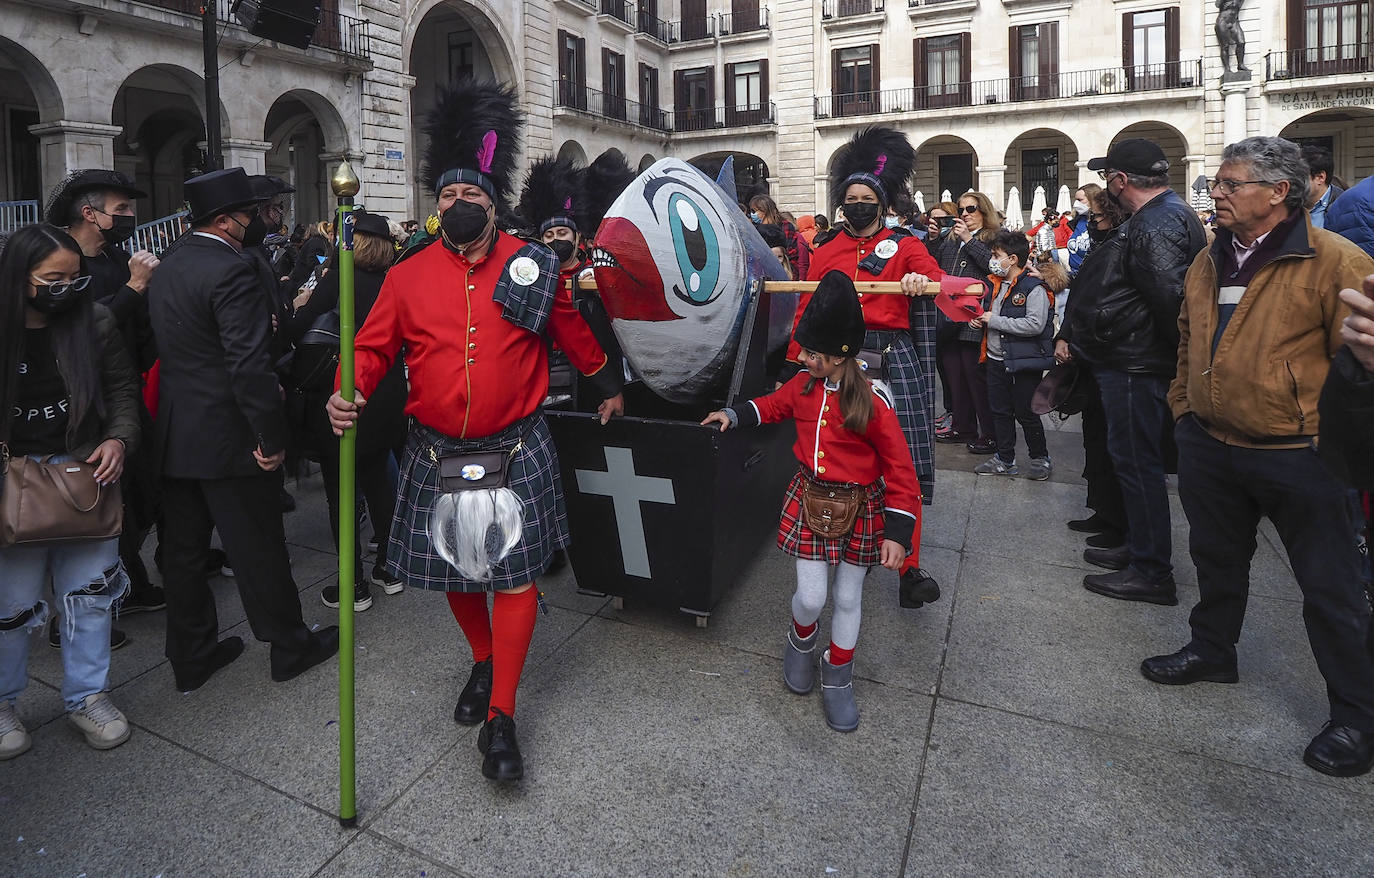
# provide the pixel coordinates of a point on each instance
(88, 580)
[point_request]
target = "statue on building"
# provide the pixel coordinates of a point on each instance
(1230, 35)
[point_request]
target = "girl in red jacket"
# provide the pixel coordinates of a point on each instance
(848, 438)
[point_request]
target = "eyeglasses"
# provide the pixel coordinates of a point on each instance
(62, 287)
(968, 208)
(1229, 187)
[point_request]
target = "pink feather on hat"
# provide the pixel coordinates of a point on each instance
(487, 152)
(881, 163)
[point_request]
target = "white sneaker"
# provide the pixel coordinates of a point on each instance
(101, 722)
(14, 738)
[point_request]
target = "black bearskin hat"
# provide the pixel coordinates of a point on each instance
(603, 181)
(833, 322)
(880, 158)
(553, 196)
(474, 137)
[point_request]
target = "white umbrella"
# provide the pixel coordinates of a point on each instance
(920, 201)
(1015, 221)
(1065, 203)
(1038, 204)
(944, 196)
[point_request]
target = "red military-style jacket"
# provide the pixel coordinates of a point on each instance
(472, 373)
(845, 253)
(832, 452)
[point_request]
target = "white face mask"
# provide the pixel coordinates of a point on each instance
(1080, 208)
(999, 267)
(890, 222)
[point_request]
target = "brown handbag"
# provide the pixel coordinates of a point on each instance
(830, 510)
(46, 503)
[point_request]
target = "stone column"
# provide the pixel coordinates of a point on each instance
(1234, 87)
(66, 145)
(991, 182)
(251, 155)
(1085, 176)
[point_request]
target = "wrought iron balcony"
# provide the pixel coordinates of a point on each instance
(655, 27)
(1318, 61)
(708, 118)
(336, 32)
(690, 29)
(620, 9)
(743, 22)
(846, 8)
(611, 106)
(1073, 84)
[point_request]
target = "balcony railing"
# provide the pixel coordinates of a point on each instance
(708, 118)
(655, 27)
(1079, 83)
(692, 29)
(621, 9)
(1318, 61)
(610, 106)
(157, 235)
(16, 214)
(337, 32)
(743, 22)
(846, 8)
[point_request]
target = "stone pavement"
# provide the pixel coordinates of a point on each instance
(1006, 731)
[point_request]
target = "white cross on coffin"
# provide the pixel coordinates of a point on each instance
(627, 490)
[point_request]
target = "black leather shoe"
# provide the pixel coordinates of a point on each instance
(223, 655)
(1128, 585)
(1107, 539)
(1093, 524)
(1340, 751)
(1184, 667)
(324, 644)
(501, 759)
(917, 588)
(982, 446)
(1109, 559)
(118, 638)
(955, 438)
(476, 697)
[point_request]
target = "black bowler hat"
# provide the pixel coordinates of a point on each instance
(267, 186)
(371, 224)
(833, 322)
(1135, 155)
(79, 182)
(219, 192)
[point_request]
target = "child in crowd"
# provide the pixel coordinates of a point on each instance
(855, 500)
(1019, 348)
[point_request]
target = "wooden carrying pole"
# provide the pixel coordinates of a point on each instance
(876, 287)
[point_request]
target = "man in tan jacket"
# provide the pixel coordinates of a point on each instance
(1260, 323)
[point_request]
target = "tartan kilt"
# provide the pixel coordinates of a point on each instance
(911, 378)
(533, 476)
(863, 546)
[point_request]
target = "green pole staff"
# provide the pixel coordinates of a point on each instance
(345, 186)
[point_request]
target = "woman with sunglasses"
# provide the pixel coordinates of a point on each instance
(964, 252)
(67, 390)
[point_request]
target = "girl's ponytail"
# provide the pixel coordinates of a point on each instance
(856, 397)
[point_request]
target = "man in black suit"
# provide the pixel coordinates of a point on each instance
(221, 431)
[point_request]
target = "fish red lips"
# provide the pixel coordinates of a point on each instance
(631, 286)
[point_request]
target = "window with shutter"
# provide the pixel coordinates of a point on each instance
(856, 80)
(945, 76)
(1329, 36)
(695, 111)
(694, 22)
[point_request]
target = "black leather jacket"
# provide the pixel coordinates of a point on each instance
(1132, 290)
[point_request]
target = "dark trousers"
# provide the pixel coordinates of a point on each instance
(1009, 397)
(375, 484)
(1225, 491)
(942, 343)
(247, 512)
(969, 384)
(1104, 492)
(1137, 416)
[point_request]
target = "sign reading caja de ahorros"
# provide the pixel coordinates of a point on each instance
(1327, 98)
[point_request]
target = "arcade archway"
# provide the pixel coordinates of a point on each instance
(302, 126)
(1344, 131)
(1175, 147)
(1042, 157)
(751, 173)
(28, 96)
(945, 162)
(159, 108)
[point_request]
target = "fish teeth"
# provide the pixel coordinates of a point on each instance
(603, 259)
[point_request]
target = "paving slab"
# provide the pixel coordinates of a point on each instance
(649, 755)
(149, 808)
(371, 855)
(1026, 640)
(411, 664)
(1015, 795)
(41, 703)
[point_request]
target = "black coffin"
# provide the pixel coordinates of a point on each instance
(669, 512)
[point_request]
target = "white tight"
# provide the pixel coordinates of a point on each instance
(807, 603)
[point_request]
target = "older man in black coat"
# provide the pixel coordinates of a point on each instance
(221, 431)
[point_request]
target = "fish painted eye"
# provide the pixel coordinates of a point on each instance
(697, 249)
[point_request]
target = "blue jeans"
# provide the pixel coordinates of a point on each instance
(1137, 417)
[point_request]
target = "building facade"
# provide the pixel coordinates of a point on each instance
(994, 94)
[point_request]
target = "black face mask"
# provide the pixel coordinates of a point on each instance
(46, 302)
(253, 232)
(859, 215)
(463, 223)
(563, 249)
(121, 229)
(1097, 236)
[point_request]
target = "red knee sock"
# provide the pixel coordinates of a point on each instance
(512, 626)
(840, 656)
(804, 631)
(914, 559)
(470, 609)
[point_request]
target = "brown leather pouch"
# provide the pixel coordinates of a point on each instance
(46, 503)
(830, 510)
(474, 470)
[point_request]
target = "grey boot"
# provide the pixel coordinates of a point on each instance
(837, 694)
(798, 661)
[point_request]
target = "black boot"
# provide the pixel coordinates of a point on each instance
(501, 759)
(476, 697)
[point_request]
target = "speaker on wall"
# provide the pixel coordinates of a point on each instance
(292, 22)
